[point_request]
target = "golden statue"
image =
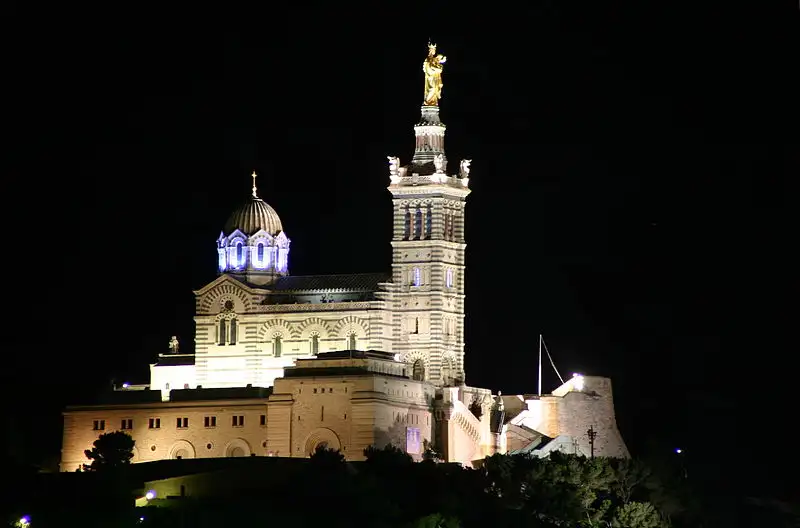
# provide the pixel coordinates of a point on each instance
(432, 67)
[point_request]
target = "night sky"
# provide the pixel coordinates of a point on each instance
(631, 179)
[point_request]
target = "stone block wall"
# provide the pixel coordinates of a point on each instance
(168, 440)
(593, 406)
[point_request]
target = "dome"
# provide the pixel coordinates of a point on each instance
(254, 215)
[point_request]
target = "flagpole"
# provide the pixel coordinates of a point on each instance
(540, 364)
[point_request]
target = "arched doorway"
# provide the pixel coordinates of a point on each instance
(324, 438)
(237, 447)
(182, 450)
(418, 370)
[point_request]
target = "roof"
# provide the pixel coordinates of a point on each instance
(120, 397)
(170, 360)
(252, 216)
(357, 282)
(222, 393)
(356, 354)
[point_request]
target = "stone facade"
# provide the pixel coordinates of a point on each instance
(580, 404)
(163, 430)
(350, 360)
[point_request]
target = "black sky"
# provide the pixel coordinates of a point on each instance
(631, 188)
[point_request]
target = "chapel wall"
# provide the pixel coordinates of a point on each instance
(168, 439)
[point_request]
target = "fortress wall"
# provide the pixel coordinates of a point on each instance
(593, 406)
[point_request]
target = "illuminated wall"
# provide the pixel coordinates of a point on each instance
(168, 439)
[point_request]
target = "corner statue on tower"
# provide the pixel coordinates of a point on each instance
(433, 67)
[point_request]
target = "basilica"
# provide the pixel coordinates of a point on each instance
(284, 364)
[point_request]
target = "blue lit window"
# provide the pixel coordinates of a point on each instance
(449, 278)
(239, 255)
(260, 253)
(417, 278)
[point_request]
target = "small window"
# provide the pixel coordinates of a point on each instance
(315, 344)
(277, 346)
(449, 278)
(99, 425)
(263, 420)
(237, 421)
(154, 423)
(418, 224)
(210, 421)
(182, 423)
(351, 344)
(127, 424)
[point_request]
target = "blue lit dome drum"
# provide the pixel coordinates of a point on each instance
(253, 243)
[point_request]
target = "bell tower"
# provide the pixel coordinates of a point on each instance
(428, 247)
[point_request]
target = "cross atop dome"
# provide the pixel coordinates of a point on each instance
(255, 190)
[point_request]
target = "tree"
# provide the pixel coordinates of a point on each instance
(110, 451)
(435, 520)
(630, 475)
(636, 515)
(389, 458)
(430, 453)
(326, 457)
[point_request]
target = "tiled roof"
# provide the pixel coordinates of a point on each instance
(357, 282)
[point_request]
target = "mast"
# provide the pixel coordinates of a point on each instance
(540, 364)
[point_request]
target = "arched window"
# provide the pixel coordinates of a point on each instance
(448, 374)
(234, 331)
(276, 346)
(418, 370)
(260, 253)
(446, 225)
(239, 254)
(351, 342)
(407, 225)
(448, 280)
(418, 224)
(315, 344)
(416, 277)
(428, 222)
(222, 333)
